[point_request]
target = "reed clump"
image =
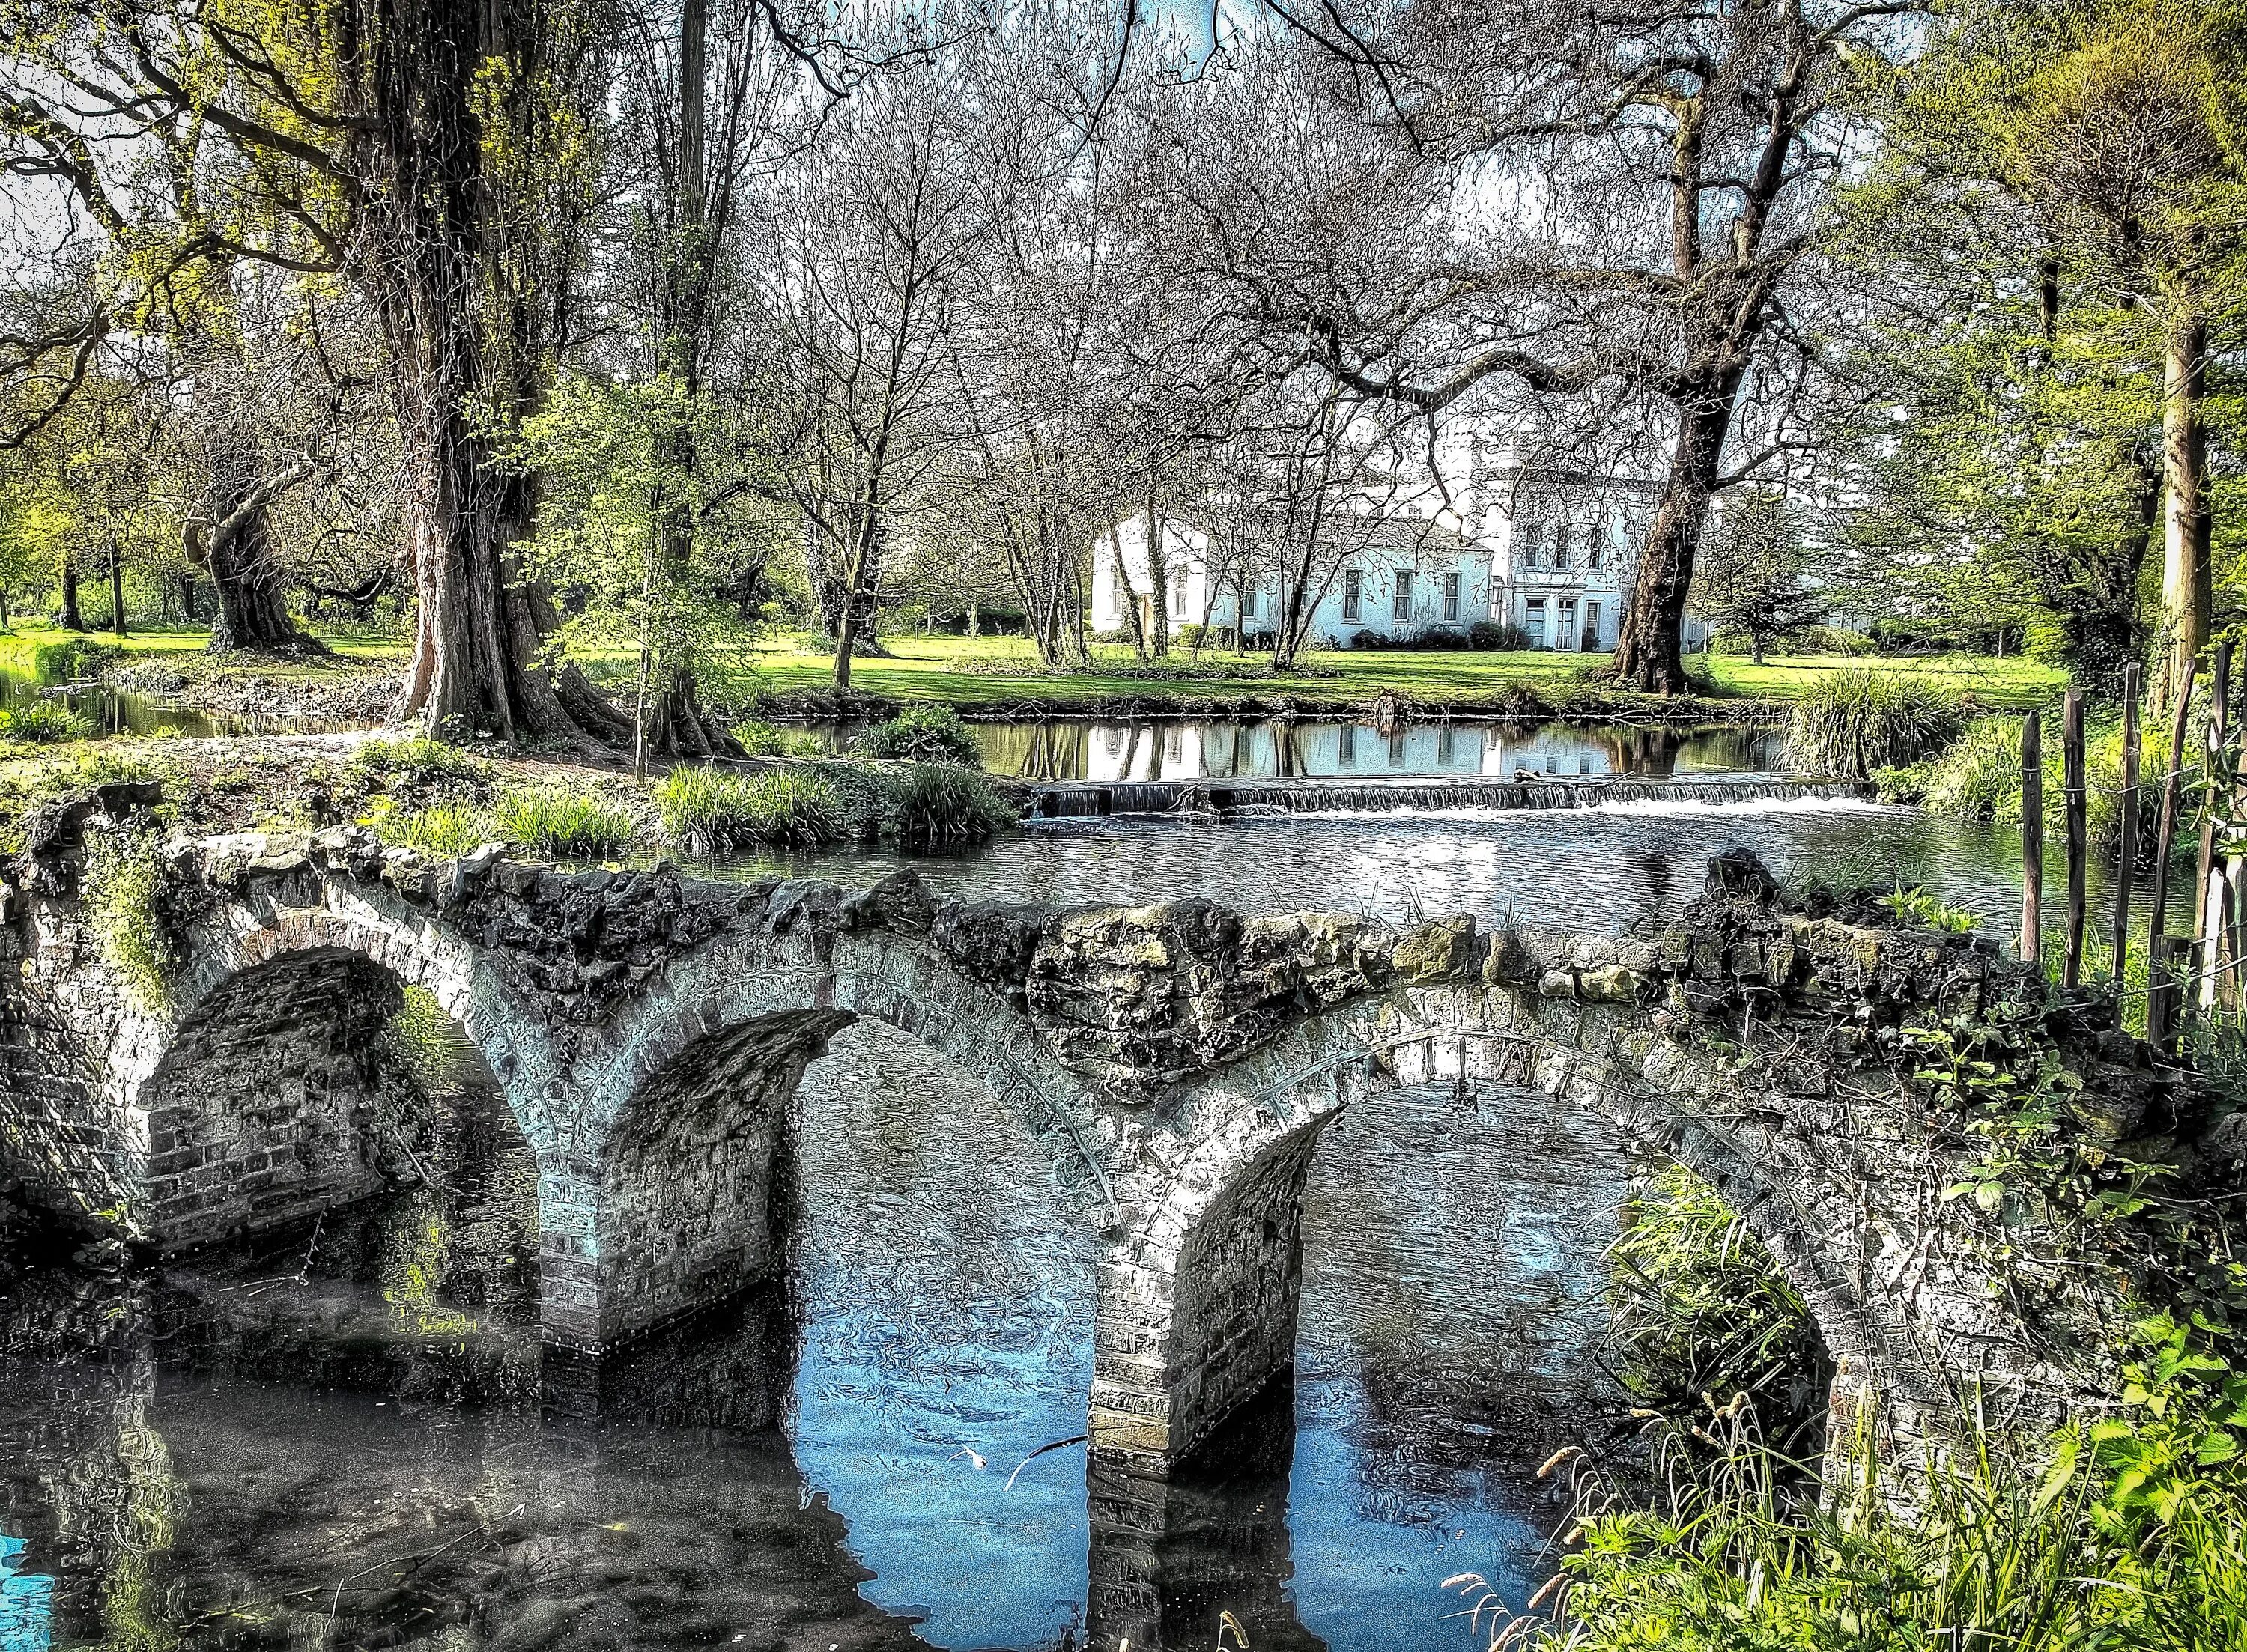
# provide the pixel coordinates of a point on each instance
(942, 806)
(709, 811)
(923, 734)
(567, 823)
(1855, 723)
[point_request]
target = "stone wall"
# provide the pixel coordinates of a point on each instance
(277, 1099)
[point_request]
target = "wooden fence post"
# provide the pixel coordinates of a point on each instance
(2032, 839)
(2079, 838)
(2161, 992)
(2128, 848)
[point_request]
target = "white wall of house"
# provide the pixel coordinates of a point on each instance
(1444, 584)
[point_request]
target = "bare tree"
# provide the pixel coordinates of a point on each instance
(868, 233)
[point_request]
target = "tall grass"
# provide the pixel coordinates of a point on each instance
(440, 828)
(1977, 776)
(711, 811)
(1855, 722)
(941, 806)
(574, 825)
(763, 740)
(44, 723)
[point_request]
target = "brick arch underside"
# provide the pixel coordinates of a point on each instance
(694, 1119)
(274, 1099)
(1199, 1303)
(694, 1202)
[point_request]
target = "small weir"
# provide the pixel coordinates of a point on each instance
(1066, 800)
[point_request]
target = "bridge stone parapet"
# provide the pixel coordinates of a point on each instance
(1178, 1061)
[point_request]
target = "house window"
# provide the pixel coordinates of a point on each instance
(1532, 621)
(1564, 632)
(1403, 603)
(1451, 594)
(1591, 627)
(1532, 535)
(1595, 553)
(1249, 594)
(1352, 594)
(1560, 546)
(1179, 592)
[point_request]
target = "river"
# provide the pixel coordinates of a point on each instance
(350, 1436)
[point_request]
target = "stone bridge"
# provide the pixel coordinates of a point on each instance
(1177, 1061)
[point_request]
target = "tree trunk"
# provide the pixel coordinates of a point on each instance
(116, 590)
(5, 623)
(1158, 583)
(1650, 645)
(67, 615)
(253, 612)
(441, 260)
(1130, 602)
(2186, 594)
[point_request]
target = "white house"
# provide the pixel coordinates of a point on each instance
(1548, 550)
(1403, 576)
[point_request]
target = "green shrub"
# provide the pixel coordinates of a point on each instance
(1977, 776)
(415, 757)
(44, 723)
(942, 806)
(574, 825)
(762, 740)
(1699, 1306)
(926, 734)
(1498, 636)
(1855, 722)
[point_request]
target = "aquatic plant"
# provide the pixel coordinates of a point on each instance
(1855, 722)
(712, 811)
(942, 806)
(440, 828)
(923, 734)
(44, 723)
(574, 824)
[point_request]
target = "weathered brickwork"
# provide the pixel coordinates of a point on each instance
(273, 1101)
(1177, 1061)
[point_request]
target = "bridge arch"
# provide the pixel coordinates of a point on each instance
(1198, 1299)
(684, 1116)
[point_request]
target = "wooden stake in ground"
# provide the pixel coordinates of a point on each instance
(2032, 839)
(2079, 836)
(2126, 848)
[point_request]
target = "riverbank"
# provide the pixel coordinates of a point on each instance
(999, 678)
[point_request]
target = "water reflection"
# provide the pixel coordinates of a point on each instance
(1331, 750)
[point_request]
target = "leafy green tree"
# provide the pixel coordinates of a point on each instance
(1759, 573)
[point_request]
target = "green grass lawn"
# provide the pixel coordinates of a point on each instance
(988, 671)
